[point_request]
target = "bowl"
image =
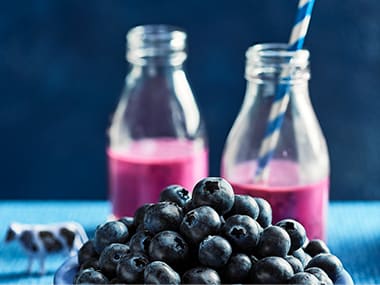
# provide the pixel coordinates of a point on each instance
(66, 272)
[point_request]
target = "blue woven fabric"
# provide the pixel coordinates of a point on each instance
(353, 235)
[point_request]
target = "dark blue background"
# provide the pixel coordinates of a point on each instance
(62, 69)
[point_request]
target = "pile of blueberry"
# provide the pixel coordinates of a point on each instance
(213, 237)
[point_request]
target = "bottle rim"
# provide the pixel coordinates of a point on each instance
(269, 51)
(270, 61)
(148, 41)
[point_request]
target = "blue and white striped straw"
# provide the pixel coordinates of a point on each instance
(281, 99)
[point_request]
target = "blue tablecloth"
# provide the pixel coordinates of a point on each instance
(353, 235)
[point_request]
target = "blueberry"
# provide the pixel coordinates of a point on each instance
(302, 256)
(158, 272)
(265, 212)
(214, 192)
(295, 263)
(244, 205)
(129, 222)
(199, 223)
(274, 241)
(271, 270)
(320, 274)
(163, 216)
(90, 263)
(87, 252)
(328, 263)
(214, 252)
(201, 275)
(91, 276)
(110, 257)
(130, 269)
(170, 247)
(140, 242)
(237, 269)
(176, 194)
(296, 232)
(138, 218)
(316, 246)
(110, 232)
(242, 232)
(304, 278)
(188, 206)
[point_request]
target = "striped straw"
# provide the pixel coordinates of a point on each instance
(281, 99)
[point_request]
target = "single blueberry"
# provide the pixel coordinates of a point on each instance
(296, 232)
(163, 216)
(244, 205)
(170, 247)
(87, 252)
(111, 256)
(130, 269)
(242, 232)
(320, 274)
(108, 233)
(274, 241)
(271, 270)
(214, 192)
(265, 212)
(199, 223)
(176, 194)
(201, 275)
(140, 241)
(304, 278)
(329, 263)
(158, 272)
(237, 269)
(295, 263)
(90, 276)
(214, 252)
(302, 256)
(138, 218)
(316, 246)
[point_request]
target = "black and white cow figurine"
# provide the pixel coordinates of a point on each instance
(41, 240)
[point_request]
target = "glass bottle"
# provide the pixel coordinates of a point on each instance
(298, 183)
(157, 137)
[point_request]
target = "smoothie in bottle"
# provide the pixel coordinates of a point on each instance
(298, 182)
(157, 137)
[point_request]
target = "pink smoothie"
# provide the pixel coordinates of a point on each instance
(289, 198)
(138, 175)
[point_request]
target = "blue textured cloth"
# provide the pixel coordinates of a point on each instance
(353, 235)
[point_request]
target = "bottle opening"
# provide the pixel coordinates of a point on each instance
(273, 61)
(163, 42)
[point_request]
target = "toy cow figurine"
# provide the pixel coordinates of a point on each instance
(41, 240)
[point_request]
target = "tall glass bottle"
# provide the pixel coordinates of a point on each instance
(298, 182)
(157, 137)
